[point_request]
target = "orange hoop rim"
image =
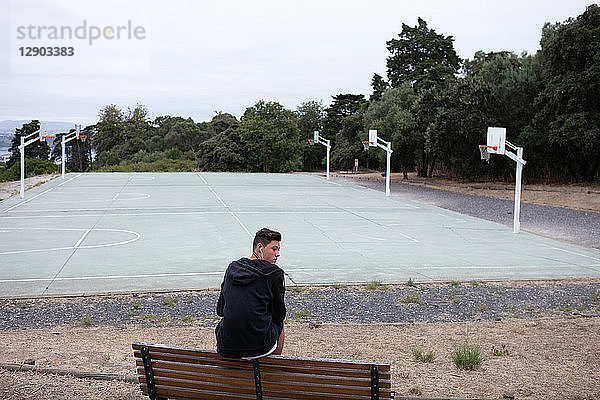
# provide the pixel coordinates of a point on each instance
(366, 141)
(489, 147)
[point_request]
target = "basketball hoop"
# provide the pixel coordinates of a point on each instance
(311, 141)
(485, 154)
(367, 144)
(83, 138)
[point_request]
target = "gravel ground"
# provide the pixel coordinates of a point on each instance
(579, 227)
(451, 302)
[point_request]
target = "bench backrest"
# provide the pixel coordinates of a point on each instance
(180, 372)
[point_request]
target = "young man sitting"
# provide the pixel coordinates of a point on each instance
(252, 302)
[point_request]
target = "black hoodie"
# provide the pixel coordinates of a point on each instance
(252, 306)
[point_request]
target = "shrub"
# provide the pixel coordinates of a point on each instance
(467, 357)
(411, 299)
(33, 167)
(423, 357)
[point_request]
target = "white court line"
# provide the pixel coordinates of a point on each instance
(81, 240)
(67, 181)
(577, 254)
(89, 278)
(28, 200)
(218, 198)
(203, 180)
(240, 222)
(114, 198)
(226, 206)
(170, 213)
(97, 246)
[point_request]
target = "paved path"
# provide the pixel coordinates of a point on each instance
(574, 226)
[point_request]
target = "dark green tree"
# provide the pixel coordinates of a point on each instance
(310, 115)
(392, 117)
(421, 57)
(568, 108)
(110, 129)
(38, 149)
(185, 136)
(271, 138)
(379, 86)
(342, 106)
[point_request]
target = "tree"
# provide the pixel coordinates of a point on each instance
(110, 129)
(224, 121)
(271, 138)
(310, 115)
(185, 136)
(421, 57)
(568, 107)
(379, 86)
(38, 149)
(461, 114)
(348, 145)
(393, 119)
(343, 105)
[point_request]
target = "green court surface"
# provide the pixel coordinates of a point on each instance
(122, 232)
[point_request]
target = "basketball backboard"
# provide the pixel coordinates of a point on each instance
(316, 136)
(496, 140)
(372, 137)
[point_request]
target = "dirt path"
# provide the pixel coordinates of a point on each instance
(575, 197)
(8, 189)
(556, 358)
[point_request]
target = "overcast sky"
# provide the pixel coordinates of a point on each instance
(195, 57)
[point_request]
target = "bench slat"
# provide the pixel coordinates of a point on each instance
(288, 365)
(247, 387)
(188, 373)
(184, 371)
(192, 393)
(351, 364)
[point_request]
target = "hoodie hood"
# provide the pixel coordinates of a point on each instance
(245, 271)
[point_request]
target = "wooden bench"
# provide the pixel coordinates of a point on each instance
(188, 373)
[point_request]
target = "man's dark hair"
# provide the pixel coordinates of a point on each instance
(265, 236)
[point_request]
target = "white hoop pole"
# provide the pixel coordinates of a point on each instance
(326, 143)
(328, 148)
(22, 148)
(387, 171)
(517, 210)
(62, 158)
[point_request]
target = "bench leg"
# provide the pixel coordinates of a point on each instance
(257, 381)
(150, 384)
(374, 382)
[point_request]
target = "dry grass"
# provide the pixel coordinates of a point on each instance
(555, 358)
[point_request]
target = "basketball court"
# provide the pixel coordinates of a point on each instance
(123, 232)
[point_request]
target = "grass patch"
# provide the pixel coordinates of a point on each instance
(85, 321)
(500, 352)
(153, 318)
(565, 309)
(410, 283)
(375, 285)
(187, 319)
(299, 314)
(596, 298)
(170, 301)
(498, 292)
(516, 314)
(454, 283)
(296, 289)
(339, 286)
(454, 299)
(415, 391)
(467, 357)
(482, 308)
(136, 304)
(476, 283)
(411, 299)
(423, 357)
(130, 313)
